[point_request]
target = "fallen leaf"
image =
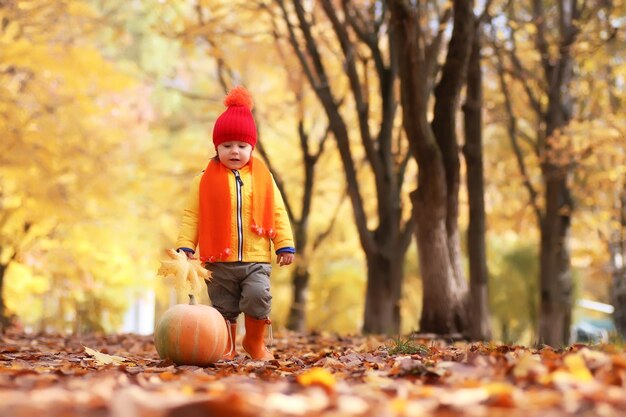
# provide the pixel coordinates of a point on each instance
(103, 358)
(576, 366)
(317, 376)
(529, 367)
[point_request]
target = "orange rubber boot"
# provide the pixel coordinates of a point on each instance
(230, 352)
(253, 341)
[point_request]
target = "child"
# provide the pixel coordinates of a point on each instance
(233, 212)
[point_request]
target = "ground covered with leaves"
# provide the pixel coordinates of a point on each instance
(313, 375)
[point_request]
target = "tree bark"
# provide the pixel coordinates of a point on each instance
(383, 293)
(617, 248)
(297, 312)
(479, 321)
(4, 320)
(453, 76)
(618, 297)
(296, 320)
(555, 276)
(441, 303)
(385, 244)
(553, 44)
(435, 148)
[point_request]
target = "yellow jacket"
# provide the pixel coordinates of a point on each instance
(252, 247)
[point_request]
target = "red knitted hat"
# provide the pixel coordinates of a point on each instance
(236, 123)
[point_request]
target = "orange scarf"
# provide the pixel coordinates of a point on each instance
(214, 223)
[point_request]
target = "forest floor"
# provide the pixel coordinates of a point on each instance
(313, 375)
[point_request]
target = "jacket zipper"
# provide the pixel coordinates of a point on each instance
(238, 185)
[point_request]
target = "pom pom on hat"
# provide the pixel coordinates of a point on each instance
(236, 122)
(239, 96)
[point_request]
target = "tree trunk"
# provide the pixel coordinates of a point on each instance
(479, 322)
(435, 148)
(384, 290)
(385, 246)
(618, 291)
(447, 91)
(555, 275)
(618, 267)
(556, 168)
(4, 320)
(440, 307)
(441, 304)
(297, 312)
(384, 249)
(619, 301)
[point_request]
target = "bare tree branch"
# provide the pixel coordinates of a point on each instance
(521, 74)
(512, 131)
(331, 225)
(356, 86)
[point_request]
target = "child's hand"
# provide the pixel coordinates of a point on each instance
(285, 258)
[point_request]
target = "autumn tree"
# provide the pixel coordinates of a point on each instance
(537, 51)
(602, 44)
(434, 145)
(27, 108)
(597, 137)
(478, 310)
(350, 64)
(61, 199)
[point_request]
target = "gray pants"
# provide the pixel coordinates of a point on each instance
(240, 287)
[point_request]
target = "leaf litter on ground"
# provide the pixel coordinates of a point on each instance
(312, 375)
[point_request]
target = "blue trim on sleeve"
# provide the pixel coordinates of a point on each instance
(286, 250)
(186, 250)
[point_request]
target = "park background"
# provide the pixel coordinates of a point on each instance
(107, 109)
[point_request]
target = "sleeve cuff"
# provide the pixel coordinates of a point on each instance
(186, 250)
(286, 250)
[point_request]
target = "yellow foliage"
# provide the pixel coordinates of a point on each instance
(186, 275)
(80, 8)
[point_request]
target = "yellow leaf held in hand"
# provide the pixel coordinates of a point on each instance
(103, 358)
(187, 274)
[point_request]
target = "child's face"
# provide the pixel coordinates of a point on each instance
(234, 154)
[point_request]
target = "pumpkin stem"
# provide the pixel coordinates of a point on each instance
(192, 300)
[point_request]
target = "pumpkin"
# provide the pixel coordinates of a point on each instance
(191, 334)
